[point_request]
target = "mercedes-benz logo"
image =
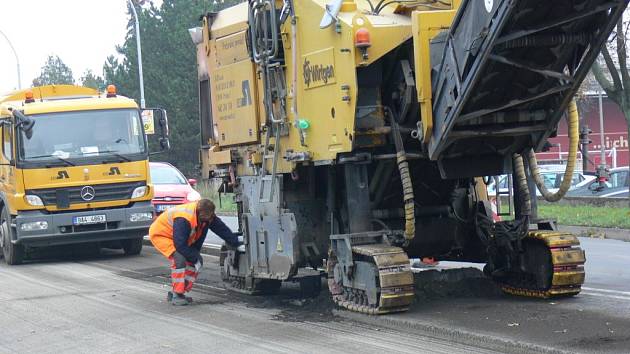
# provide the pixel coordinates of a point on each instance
(87, 193)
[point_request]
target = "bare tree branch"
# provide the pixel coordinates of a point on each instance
(603, 81)
(610, 65)
(621, 56)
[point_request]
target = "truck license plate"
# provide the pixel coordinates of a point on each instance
(90, 219)
(162, 207)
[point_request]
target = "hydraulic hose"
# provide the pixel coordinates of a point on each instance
(523, 188)
(407, 185)
(573, 119)
(405, 177)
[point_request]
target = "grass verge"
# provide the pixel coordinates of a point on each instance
(209, 191)
(587, 215)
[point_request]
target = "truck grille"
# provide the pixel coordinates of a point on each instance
(62, 197)
(170, 199)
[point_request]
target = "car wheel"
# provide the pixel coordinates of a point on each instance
(132, 246)
(13, 254)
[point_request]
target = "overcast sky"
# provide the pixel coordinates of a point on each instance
(81, 32)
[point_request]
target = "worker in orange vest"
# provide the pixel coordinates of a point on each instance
(179, 234)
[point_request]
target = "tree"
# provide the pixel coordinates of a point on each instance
(90, 80)
(169, 69)
(611, 71)
(54, 72)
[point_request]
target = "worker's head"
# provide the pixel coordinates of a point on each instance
(205, 210)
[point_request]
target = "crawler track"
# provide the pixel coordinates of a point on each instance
(563, 274)
(393, 286)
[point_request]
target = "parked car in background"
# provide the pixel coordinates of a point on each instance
(552, 180)
(171, 187)
(615, 187)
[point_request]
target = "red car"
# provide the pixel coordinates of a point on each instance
(171, 187)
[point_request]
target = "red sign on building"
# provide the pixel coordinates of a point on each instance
(615, 135)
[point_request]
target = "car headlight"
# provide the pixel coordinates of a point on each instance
(193, 196)
(139, 192)
(137, 217)
(34, 226)
(34, 200)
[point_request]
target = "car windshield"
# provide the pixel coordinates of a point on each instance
(619, 179)
(167, 175)
(550, 179)
(554, 179)
(67, 135)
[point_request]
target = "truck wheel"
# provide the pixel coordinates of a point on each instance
(13, 254)
(132, 246)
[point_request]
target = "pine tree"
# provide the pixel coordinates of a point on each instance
(169, 70)
(90, 80)
(54, 72)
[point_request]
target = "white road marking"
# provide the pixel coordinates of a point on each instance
(618, 292)
(608, 296)
(612, 294)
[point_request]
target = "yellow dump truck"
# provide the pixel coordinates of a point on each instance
(74, 169)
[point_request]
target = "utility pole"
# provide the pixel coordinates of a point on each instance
(17, 60)
(139, 48)
(602, 171)
(602, 150)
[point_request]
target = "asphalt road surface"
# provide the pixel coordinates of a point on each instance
(66, 302)
(607, 266)
(597, 320)
(112, 303)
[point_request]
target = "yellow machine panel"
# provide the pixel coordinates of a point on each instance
(234, 111)
(231, 49)
(426, 25)
(319, 68)
(233, 83)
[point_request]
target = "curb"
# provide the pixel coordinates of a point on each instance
(210, 250)
(597, 232)
(487, 341)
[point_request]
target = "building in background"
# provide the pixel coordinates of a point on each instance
(615, 135)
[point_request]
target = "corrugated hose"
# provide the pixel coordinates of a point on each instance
(573, 119)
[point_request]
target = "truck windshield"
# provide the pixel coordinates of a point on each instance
(98, 134)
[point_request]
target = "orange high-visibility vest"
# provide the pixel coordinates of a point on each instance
(161, 231)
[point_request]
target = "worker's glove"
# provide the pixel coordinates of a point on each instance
(240, 247)
(199, 264)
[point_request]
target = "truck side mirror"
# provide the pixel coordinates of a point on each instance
(25, 123)
(151, 115)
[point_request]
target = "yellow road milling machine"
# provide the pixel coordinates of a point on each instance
(356, 134)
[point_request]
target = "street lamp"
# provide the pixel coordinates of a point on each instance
(138, 47)
(17, 60)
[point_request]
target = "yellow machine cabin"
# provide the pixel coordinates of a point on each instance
(73, 169)
(357, 133)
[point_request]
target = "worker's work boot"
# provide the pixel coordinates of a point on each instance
(175, 300)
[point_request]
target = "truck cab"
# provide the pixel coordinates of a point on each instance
(74, 169)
